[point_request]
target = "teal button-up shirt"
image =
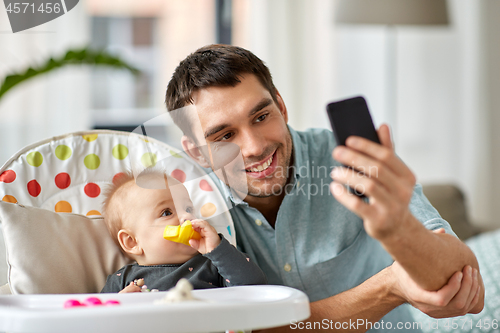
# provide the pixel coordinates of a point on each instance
(318, 245)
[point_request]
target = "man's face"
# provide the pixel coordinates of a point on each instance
(246, 115)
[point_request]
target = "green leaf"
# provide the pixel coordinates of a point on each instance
(72, 57)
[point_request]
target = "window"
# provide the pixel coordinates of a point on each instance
(134, 40)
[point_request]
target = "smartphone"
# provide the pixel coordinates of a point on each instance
(351, 117)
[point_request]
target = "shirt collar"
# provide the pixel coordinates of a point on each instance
(228, 194)
(299, 153)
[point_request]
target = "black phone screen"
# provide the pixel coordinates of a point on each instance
(351, 117)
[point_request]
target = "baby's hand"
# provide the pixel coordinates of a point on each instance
(131, 288)
(209, 237)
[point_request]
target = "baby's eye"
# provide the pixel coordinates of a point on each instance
(166, 212)
(189, 210)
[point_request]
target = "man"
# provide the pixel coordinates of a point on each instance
(339, 250)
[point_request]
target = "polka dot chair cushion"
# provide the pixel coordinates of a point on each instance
(67, 174)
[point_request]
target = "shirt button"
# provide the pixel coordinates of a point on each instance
(258, 222)
(287, 268)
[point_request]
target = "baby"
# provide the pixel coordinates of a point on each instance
(136, 217)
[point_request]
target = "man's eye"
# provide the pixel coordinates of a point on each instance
(261, 118)
(226, 136)
(166, 212)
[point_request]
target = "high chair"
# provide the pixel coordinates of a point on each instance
(57, 243)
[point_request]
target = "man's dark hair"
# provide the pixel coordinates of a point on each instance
(212, 65)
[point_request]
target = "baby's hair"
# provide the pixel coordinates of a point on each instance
(112, 217)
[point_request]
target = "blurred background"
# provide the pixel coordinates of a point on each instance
(436, 84)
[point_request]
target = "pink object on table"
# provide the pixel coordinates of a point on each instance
(92, 301)
(71, 303)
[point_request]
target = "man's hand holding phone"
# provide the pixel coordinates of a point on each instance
(370, 169)
(389, 184)
(386, 181)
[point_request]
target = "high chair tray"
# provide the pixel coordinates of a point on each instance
(218, 309)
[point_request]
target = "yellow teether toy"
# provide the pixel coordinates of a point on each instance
(181, 233)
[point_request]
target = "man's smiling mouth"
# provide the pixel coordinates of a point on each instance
(261, 167)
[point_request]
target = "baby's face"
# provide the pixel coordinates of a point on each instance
(148, 211)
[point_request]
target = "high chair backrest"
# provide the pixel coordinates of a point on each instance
(62, 245)
(67, 174)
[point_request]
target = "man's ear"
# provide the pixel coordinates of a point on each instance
(193, 151)
(129, 243)
(282, 106)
